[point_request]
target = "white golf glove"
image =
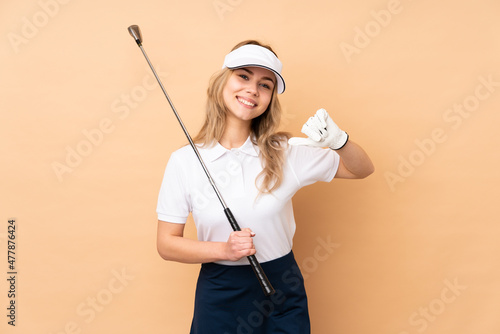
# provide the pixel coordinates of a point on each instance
(321, 131)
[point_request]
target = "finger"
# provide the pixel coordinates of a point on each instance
(318, 124)
(322, 114)
(246, 229)
(244, 241)
(246, 246)
(236, 254)
(302, 141)
(242, 247)
(240, 243)
(311, 131)
(247, 252)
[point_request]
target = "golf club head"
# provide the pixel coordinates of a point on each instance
(136, 33)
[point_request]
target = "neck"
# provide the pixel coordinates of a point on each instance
(235, 134)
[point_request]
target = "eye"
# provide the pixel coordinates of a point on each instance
(266, 86)
(243, 76)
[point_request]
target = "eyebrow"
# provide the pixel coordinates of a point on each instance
(265, 78)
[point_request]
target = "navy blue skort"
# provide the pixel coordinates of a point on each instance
(230, 300)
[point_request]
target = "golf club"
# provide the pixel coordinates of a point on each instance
(261, 276)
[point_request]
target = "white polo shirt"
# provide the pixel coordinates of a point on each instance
(185, 188)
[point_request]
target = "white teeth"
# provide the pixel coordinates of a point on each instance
(246, 102)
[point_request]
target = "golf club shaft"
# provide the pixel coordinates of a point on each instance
(219, 196)
(259, 272)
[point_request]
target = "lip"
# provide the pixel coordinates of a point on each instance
(238, 98)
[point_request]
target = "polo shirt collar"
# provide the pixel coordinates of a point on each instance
(215, 152)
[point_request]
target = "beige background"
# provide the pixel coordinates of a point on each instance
(413, 249)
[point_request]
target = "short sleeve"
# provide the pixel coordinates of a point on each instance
(174, 200)
(312, 164)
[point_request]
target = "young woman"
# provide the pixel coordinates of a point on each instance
(257, 170)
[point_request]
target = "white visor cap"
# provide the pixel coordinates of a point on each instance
(250, 55)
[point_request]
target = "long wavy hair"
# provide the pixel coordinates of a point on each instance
(264, 129)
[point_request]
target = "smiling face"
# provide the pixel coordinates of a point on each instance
(248, 92)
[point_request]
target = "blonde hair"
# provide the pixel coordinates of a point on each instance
(264, 129)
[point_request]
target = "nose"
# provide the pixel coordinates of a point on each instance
(253, 88)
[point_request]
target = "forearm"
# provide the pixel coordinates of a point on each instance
(180, 249)
(355, 160)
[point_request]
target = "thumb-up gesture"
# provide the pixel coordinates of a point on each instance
(321, 131)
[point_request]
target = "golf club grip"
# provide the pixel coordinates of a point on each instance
(261, 276)
(257, 269)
